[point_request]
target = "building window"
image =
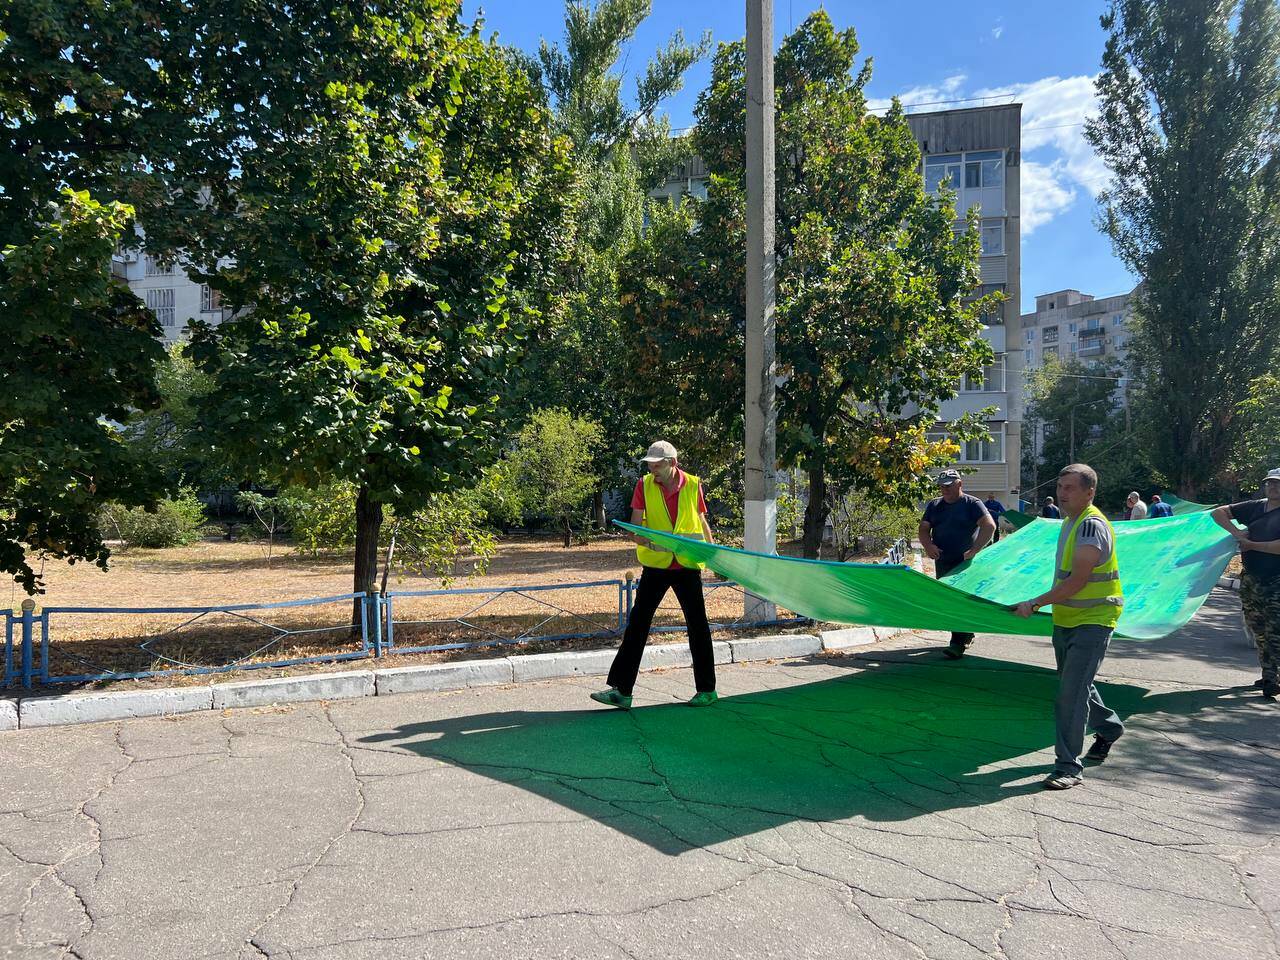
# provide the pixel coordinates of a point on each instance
(985, 451)
(991, 380)
(1048, 352)
(157, 269)
(1050, 304)
(984, 169)
(210, 299)
(940, 169)
(160, 302)
(1026, 356)
(1051, 334)
(993, 238)
(1031, 334)
(1071, 328)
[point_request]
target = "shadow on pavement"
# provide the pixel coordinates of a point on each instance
(890, 741)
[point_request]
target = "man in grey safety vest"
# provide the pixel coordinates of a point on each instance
(667, 499)
(1087, 600)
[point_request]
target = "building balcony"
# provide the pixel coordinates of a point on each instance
(1091, 348)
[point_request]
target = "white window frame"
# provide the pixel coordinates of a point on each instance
(992, 379)
(952, 165)
(210, 299)
(990, 168)
(154, 268)
(985, 451)
(996, 230)
(161, 302)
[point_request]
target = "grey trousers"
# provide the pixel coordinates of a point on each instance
(1079, 652)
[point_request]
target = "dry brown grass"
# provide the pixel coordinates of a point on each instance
(216, 572)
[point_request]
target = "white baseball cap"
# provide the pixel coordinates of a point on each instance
(661, 450)
(1272, 475)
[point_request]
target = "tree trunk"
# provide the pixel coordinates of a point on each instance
(568, 533)
(597, 510)
(815, 512)
(368, 527)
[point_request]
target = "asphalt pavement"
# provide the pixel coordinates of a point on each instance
(882, 805)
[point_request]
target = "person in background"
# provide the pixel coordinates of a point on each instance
(1087, 600)
(1135, 509)
(1158, 508)
(668, 499)
(1260, 581)
(955, 526)
(1050, 510)
(996, 509)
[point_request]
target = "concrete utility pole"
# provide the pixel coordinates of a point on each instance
(761, 507)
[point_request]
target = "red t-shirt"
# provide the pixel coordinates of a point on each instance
(672, 498)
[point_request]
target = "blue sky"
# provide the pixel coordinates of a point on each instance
(1040, 54)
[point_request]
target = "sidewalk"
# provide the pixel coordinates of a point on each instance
(880, 805)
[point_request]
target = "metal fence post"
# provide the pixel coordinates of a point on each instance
(28, 648)
(44, 646)
(375, 599)
(631, 596)
(390, 642)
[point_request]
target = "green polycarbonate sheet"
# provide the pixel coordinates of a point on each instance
(1167, 568)
(1180, 506)
(1017, 519)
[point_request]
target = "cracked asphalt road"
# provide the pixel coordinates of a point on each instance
(883, 806)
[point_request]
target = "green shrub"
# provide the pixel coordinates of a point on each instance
(173, 523)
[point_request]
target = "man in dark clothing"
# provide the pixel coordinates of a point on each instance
(1050, 510)
(1260, 583)
(995, 508)
(954, 527)
(1158, 508)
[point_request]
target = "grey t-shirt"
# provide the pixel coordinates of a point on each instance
(1092, 532)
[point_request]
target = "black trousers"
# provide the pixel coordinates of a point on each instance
(650, 590)
(941, 567)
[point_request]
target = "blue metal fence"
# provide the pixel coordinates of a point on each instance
(30, 637)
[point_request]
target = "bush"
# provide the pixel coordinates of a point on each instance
(173, 523)
(323, 518)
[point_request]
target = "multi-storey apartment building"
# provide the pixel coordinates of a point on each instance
(976, 151)
(1070, 324)
(166, 289)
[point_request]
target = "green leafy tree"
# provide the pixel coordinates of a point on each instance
(552, 463)
(171, 522)
(874, 328)
(81, 353)
(1075, 413)
(1189, 120)
(77, 156)
(1257, 447)
(380, 189)
(620, 148)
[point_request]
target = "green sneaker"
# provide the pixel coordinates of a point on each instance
(612, 698)
(704, 699)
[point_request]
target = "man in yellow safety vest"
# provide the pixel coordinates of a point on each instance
(668, 499)
(1087, 600)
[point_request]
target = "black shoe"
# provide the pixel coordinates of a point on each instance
(954, 651)
(1259, 683)
(1101, 747)
(1271, 689)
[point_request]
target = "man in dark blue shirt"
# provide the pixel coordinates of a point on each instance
(1158, 508)
(954, 527)
(1050, 510)
(995, 508)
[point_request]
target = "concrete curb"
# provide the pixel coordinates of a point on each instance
(316, 686)
(1229, 583)
(783, 647)
(433, 677)
(112, 705)
(847, 638)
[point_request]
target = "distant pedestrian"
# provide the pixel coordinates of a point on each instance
(1050, 510)
(1135, 509)
(1158, 508)
(1260, 581)
(1087, 600)
(996, 509)
(955, 526)
(667, 499)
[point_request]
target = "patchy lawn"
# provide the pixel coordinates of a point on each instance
(217, 572)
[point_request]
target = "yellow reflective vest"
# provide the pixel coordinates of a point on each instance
(688, 521)
(1101, 599)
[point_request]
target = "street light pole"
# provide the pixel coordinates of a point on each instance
(761, 506)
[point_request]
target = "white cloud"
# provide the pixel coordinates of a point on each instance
(997, 31)
(947, 90)
(1046, 192)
